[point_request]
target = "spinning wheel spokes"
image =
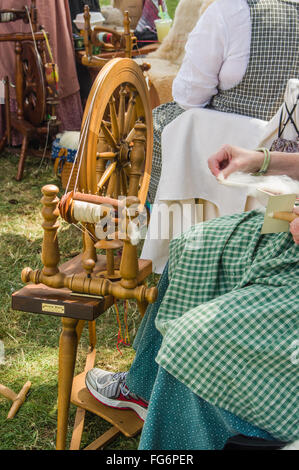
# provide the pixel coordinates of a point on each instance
(116, 158)
(114, 120)
(30, 100)
(34, 91)
(106, 176)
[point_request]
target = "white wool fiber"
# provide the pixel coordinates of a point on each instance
(280, 184)
(69, 139)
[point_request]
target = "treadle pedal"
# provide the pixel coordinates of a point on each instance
(126, 421)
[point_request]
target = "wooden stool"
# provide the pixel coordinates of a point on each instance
(74, 311)
(28, 131)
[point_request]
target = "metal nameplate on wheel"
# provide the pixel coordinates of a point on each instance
(51, 308)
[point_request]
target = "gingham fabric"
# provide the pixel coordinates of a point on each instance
(162, 115)
(230, 320)
(275, 23)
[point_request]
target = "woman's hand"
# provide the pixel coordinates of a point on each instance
(294, 227)
(230, 159)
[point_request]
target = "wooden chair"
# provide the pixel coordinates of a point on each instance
(114, 159)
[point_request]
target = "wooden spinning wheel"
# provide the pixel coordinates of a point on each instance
(36, 96)
(34, 88)
(117, 126)
(113, 159)
(112, 44)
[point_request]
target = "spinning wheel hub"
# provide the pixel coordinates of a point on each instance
(124, 150)
(34, 90)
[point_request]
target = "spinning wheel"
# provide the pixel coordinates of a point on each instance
(113, 159)
(36, 100)
(113, 44)
(115, 150)
(34, 91)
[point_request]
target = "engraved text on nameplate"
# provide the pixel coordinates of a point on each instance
(51, 308)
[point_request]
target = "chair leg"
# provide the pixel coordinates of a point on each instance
(67, 357)
(69, 339)
(80, 413)
(3, 141)
(104, 439)
(92, 334)
(22, 158)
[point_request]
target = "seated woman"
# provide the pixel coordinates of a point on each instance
(238, 59)
(215, 352)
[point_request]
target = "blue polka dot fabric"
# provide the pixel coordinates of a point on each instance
(177, 418)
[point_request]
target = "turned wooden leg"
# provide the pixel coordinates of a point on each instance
(67, 357)
(92, 334)
(3, 141)
(90, 360)
(7, 110)
(22, 158)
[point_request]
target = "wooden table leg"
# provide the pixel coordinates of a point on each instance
(67, 358)
(3, 141)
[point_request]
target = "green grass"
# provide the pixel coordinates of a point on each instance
(31, 340)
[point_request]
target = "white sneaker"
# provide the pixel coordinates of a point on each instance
(110, 389)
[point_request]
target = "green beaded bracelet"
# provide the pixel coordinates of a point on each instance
(266, 162)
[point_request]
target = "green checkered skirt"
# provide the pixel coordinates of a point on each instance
(229, 320)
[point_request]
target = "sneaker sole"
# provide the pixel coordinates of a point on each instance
(118, 404)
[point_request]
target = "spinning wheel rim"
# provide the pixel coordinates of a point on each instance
(114, 74)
